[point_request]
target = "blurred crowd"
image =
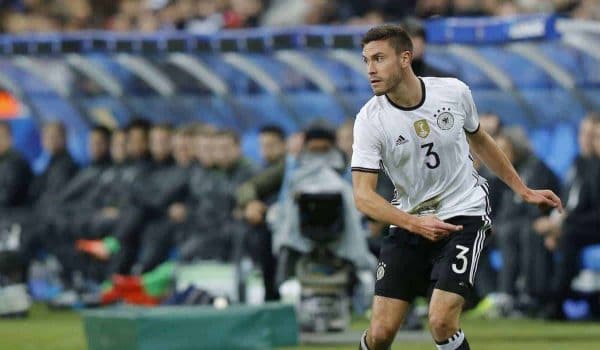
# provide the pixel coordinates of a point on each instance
(151, 196)
(155, 196)
(540, 251)
(208, 16)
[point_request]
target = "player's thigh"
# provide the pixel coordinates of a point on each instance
(388, 314)
(456, 266)
(445, 306)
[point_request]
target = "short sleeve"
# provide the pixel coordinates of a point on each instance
(366, 149)
(471, 117)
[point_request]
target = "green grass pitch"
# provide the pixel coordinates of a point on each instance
(52, 330)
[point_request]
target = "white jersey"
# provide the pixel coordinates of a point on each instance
(424, 150)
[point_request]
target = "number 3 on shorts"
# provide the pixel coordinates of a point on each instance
(461, 256)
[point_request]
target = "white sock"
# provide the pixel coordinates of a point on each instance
(363, 342)
(453, 342)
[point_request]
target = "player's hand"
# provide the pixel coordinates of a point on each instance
(177, 212)
(432, 228)
(544, 199)
(255, 212)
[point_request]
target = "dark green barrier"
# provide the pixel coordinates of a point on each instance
(180, 328)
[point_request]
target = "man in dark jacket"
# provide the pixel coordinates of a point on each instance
(255, 195)
(214, 229)
(581, 226)
(38, 229)
(15, 173)
(116, 211)
(523, 251)
(15, 178)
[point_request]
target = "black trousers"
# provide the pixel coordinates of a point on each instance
(573, 240)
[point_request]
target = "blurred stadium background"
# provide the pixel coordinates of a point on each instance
(136, 168)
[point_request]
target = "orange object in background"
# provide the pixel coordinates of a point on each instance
(9, 106)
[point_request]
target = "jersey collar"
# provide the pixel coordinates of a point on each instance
(412, 108)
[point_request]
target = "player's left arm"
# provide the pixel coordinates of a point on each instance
(485, 148)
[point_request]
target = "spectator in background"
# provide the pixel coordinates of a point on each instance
(15, 178)
(550, 226)
(116, 201)
(523, 251)
(15, 174)
(581, 226)
(419, 39)
(161, 234)
(47, 186)
(39, 231)
(255, 196)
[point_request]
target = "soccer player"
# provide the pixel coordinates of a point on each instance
(420, 130)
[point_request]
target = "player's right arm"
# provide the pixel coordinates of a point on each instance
(370, 203)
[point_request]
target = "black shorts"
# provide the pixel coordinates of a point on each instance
(410, 265)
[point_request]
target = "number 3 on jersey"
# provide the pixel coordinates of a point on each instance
(463, 259)
(430, 152)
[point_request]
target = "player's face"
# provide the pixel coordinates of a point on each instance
(272, 147)
(160, 143)
(118, 146)
(53, 139)
(384, 66)
(182, 149)
(137, 143)
(97, 145)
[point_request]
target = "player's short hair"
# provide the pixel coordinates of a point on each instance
(394, 33)
(229, 133)
(102, 130)
(273, 129)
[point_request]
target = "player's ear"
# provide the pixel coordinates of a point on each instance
(405, 59)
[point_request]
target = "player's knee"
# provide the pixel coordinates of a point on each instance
(381, 335)
(442, 326)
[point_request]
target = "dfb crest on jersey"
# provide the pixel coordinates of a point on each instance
(445, 121)
(422, 128)
(380, 270)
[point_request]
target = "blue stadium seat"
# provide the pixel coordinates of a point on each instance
(522, 72)
(541, 141)
(563, 148)
(343, 77)
(464, 70)
(260, 109)
(356, 100)
(26, 137)
(553, 105)
(105, 105)
(237, 81)
(250, 146)
(501, 103)
(590, 257)
(314, 105)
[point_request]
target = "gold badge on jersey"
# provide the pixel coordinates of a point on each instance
(422, 128)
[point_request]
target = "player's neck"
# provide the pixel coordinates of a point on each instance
(408, 92)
